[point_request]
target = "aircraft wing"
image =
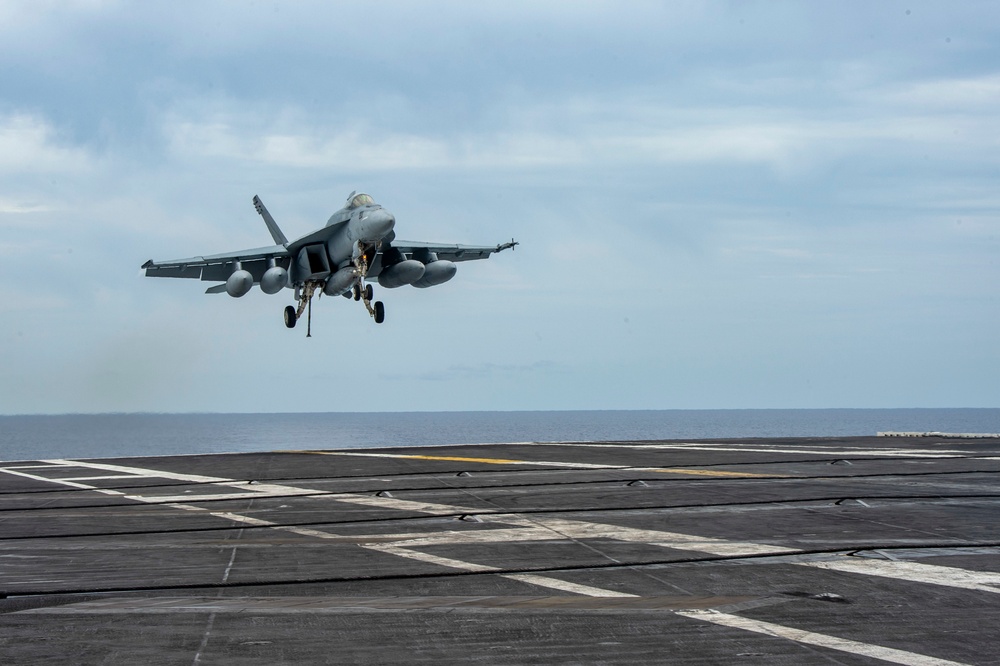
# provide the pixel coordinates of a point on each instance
(443, 251)
(218, 267)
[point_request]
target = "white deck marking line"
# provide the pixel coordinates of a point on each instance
(31, 467)
(71, 484)
(215, 497)
(101, 478)
(253, 490)
(578, 529)
(159, 501)
(259, 490)
(451, 537)
(563, 586)
(140, 471)
(984, 581)
(756, 626)
(247, 520)
(402, 505)
(819, 640)
(427, 557)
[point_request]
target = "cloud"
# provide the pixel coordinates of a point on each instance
(15, 207)
(13, 210)
(29, 144)
(374, 150)
(965, 94)
(636, 129)
(348, 151)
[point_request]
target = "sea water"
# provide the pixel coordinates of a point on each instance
(113, 435)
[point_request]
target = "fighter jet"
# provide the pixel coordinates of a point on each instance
(357, 244)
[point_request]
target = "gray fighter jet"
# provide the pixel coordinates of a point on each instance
(357, 244)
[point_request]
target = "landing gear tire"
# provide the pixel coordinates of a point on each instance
(290, 316)
(369, 292)
(379, 312)
(357, 292)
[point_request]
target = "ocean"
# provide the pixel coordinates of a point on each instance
(114, 435)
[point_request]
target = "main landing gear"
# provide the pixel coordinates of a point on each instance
(362, 260)
(376, 309)
(292, 314)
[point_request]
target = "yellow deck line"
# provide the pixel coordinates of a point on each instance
(489, 461)
(709, 472)
(506, 461)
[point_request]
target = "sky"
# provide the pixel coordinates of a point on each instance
(719, 205)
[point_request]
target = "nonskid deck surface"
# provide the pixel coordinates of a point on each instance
(795, 551)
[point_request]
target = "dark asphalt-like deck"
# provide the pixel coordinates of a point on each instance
(791, 551)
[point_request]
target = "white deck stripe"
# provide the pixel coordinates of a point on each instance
(427, 557)
(253, 490)
(139, 471)
(101, 478)
(984, 581)
(563, 586)
(579, 529)
(211, 497)
(819, 640)
(738, 622)
(71, 484)
(402, 505)
(31, 467)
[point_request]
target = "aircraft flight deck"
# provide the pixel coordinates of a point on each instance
(856, 550)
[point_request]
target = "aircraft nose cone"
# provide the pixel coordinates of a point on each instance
(379, 223)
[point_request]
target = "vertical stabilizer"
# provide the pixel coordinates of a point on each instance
(272, 226)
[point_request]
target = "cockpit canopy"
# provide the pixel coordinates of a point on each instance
(360, 200)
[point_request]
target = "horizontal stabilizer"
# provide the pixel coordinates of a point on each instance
(272, 226)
